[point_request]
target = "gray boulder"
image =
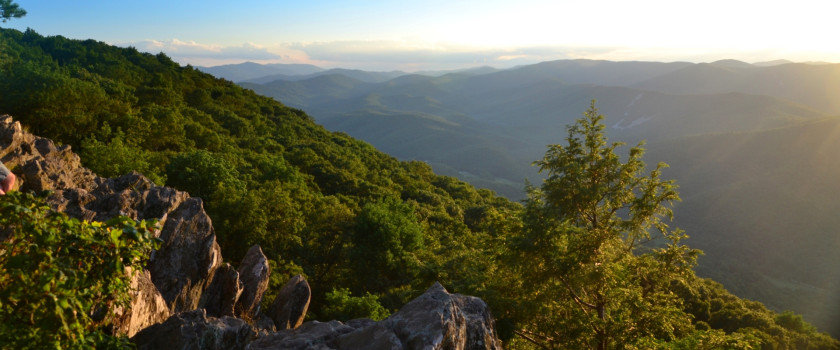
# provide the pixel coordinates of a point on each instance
(220, 297)
(254, 273)
(195, 330)
(290, 306)
(440, 320)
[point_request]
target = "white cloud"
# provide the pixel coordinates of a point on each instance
(201, 54)
(414, 55)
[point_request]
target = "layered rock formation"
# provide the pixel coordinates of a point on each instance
(189, 298)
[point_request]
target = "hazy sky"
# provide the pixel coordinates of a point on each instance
(431, 34)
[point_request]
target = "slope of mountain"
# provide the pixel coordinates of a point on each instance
(812, 85)
(522, 113)
(763, 206)
(250, 70)
(368, 77)
(474, 127)
(267, 173)
(772, 63)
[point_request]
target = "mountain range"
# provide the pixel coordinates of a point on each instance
(753, 147)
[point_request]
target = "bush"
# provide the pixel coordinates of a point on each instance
(61, 277)
(341, 305)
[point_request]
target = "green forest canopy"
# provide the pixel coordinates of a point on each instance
(318, 202)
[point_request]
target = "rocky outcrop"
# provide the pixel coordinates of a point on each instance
(182, 268)
(189, 299)
(195, 330)
(434, 320)
(40, 165)
(290, 306)
(180, 271)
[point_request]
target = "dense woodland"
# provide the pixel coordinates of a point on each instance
(370, 232)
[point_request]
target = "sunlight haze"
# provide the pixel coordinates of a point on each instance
(417, 35)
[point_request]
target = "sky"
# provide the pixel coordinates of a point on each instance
(414, 35)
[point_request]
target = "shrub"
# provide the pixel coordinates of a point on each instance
(60, 278)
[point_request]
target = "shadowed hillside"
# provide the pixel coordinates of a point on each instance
(763, 206)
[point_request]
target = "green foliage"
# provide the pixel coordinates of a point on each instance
(203, 174)
(594, 282)
(118, 156)
(60, 279)
(9, 10)
(717, 312)
(343, 306)
(386, 235)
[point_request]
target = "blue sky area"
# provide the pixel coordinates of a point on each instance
(419, 35)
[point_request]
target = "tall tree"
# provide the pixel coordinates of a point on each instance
(599, 277)
(9, 10)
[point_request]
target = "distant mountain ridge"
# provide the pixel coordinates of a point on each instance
(812, 85)
(250, 70)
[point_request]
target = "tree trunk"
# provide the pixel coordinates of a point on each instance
(602, 334)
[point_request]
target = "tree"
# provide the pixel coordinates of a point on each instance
(203, 174)
(586, 252)
(386, 238)
(9, 10)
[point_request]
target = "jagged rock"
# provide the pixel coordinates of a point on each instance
(147, 307)
(132, 195)
(194, 330)
(254, 273)
(40, 165)
(290, 306)
(184, 265)
(434, 320)
(220, 297)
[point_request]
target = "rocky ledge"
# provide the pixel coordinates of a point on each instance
(187, 298)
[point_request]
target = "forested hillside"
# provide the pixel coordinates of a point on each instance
(369, 231)
(514, 113)
(266, 172)
(762, 206)
(487, 128)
